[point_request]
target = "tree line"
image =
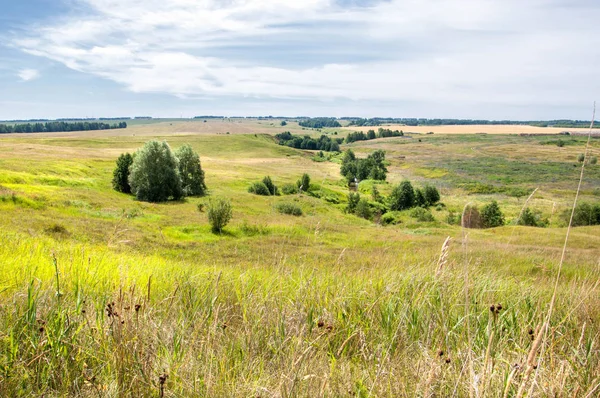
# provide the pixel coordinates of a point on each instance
(320, 122)
(371, 135)
(56, 127)
(323, 143)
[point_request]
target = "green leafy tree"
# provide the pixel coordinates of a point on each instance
(431, 194)
(420, 198)
(491, 215)
(353, 199)
(283, 123)
(219, 213)
(580, 158)
(402, 196)
(190, 171)
(348, 168)
(363, 209)
(304, 183)
(375, 195)
(154, 175)
(120, 181)
(270, 185)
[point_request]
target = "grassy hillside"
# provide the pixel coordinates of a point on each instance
(101, 295)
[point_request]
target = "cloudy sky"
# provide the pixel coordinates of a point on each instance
(491, 59)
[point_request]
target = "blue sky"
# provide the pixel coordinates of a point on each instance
(490, 59)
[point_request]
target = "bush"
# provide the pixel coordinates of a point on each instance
(432, 195)
(259, 188)
(289, 208)
(353, 199)
(154, 175)
(363, 209)
(585, 214)
(421, 214)
(270, 186)
(402, 196)
(190, 171)
(491, 215)
(593, 160)
(452, 218)
(120, 181)
(219, 213)
(304, 183)
(289, 189)
(531, 219)
(420, 198)
(580, 158)
(389, 219)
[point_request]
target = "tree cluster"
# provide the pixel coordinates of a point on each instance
(54, 127)
(372, 167)
(320, 122)
(371, 135)
(323, 143)
(585, 214)
(156, 174)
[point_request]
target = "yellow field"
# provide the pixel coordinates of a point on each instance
(475, 129)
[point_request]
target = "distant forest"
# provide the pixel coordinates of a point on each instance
(564, 123)
(56, 127)
(320, 122)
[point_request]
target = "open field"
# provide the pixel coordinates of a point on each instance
(476, 129)
(323, 305)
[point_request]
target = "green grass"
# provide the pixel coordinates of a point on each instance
(326, 304)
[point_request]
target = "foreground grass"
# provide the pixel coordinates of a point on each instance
(85, 321)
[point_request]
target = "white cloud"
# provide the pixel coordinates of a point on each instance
(28, 74)
(459, 51)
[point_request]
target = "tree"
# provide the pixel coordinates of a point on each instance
(353, 199)
(219, 213)
(154, 175)
(348, 168)
(402, 196)
(531, 219)
(190, 171)
(120, 181)
(432, 195)
(491, 215)
(593, 160)
(363, 209)
(375, 195)
(580, 158)
(420, 198)
(283, 123)
(270, 186)
(304, 183)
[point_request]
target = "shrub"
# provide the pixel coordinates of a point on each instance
(531, 219)
(289, 189)
(432, 195)
(421, 214)
(593, 160)
(270, 186)
(585, 214)
(491, 215)
(389, 219)
(154, 175)
(452, 218)
(259, 188)
(375, 195)
(190, 171)
(353, 199)
(420, 198)
(402, 196)
(304, 183)
(219, 213)
(363, 209)
(580, 158)
(289, 208)
(283, 123)
(560, 143)
(120, 181)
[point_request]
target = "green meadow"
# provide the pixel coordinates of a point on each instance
(105, 296)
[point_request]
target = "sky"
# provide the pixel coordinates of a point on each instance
(476, 59)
